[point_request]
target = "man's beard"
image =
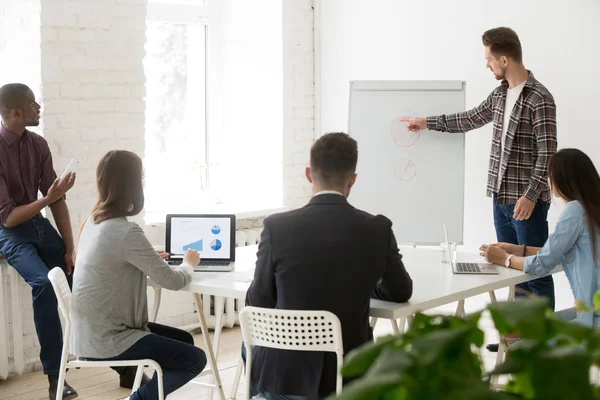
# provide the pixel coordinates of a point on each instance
(500, 76)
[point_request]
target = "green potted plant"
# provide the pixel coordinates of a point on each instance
(437, 358)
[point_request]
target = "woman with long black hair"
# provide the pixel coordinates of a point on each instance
(575, 242)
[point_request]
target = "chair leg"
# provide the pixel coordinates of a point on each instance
(248, 374)
(138, 379)
(61, 383)
(238, 376)
(161, 386)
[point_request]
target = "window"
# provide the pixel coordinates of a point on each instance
(175, 67)
(213, 106)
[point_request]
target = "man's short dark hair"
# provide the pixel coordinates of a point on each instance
(333, 159)
(12, 96)
(503, 42)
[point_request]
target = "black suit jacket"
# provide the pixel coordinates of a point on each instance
(325, 256)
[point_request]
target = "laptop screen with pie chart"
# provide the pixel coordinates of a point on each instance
(212, 235)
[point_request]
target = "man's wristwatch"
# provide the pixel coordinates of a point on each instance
(507, 262)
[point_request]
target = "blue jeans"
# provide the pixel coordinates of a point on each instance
(270, 396)
(33, 248)
(173, 349)
(531, 232)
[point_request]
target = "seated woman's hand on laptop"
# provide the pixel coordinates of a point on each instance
(514, 249)
(494, 253)
(162, 254)
(191, 257)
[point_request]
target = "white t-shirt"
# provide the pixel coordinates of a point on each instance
(511, 99)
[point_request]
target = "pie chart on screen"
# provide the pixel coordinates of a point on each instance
(216, 244)
(216, 229)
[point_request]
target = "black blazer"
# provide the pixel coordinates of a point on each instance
(325, 256)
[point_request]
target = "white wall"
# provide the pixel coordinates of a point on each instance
(429, 39)
(438, 40)
(298, 98)
(93, 86)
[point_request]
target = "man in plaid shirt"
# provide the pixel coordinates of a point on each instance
(524, 138)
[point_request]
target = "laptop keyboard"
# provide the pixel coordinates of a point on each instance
(467, 267)
(211, 263)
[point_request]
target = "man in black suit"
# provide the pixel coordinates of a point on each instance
(324, 256)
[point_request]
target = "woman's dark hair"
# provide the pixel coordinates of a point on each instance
(574, 176)
(119, 177)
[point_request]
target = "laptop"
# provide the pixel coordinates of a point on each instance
(468, 267)
(212, 235)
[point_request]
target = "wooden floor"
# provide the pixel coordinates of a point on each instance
(103, 383)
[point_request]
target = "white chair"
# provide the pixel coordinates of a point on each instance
(63, 295)
(291, 330)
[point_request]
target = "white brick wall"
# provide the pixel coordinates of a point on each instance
(89, 75)
(92, 84)
(298, 98)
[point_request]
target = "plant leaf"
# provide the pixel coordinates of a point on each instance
(390, 361)
(575, 331)
(568, 367)
(359, 360)
(372, 388)
(527, 316)
(597, 301)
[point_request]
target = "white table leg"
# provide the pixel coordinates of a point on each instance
(395, 326)
(219, 304)
(219, 314)
(409, 321)
(211, 355)
(502, 344)
(460, 309)
(402, 324)
(373, 322)
(492, 296)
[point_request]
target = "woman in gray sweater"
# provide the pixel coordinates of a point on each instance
(109, 305)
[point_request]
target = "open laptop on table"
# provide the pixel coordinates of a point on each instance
(467, 267)
(212, 235)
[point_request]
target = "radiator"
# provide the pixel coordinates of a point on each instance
(11, 328)
(245, 237)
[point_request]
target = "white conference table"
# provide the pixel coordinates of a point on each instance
(434, 285)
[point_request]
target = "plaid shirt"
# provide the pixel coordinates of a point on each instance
(529, 144)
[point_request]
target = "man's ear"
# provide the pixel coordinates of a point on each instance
(352, 181)
(308, 174)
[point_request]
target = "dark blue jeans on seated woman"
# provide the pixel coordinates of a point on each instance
(531, 232)
(173, 349)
